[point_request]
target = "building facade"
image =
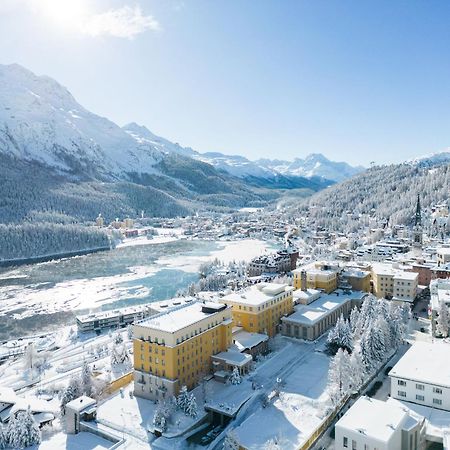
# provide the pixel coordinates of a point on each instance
(175, 348)
(318, 275)
(422, 376)
(259, 308)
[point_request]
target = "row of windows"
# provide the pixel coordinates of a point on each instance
(420, 386)
(421, 398)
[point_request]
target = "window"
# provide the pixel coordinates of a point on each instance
(421, 398)
(420, 387)
(353, 445)
(345, 442)
(437, 390)
(437, 401)
(401, 382)
(401, 393)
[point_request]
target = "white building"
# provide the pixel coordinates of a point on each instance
(422, 375)
(372, 424)
(443, 255)
(393, 283)
(439, 292)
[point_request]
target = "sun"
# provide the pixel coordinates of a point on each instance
(68, 14)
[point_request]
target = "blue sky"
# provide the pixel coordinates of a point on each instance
(355, 80)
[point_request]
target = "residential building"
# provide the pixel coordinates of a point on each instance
(393, 283)
(259, 308)
(422, 375)
(311, 321)
(280, 262)
(174, 348)
(372, 424)
(317, 275)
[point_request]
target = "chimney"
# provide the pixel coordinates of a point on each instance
(303, 280)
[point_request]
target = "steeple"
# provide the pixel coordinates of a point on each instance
(418, 218)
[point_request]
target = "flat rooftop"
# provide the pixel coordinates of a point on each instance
(182, 317)
(425, 362)
(258, 294)
(374, 418)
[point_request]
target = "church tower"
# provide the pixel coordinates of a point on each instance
(417, 229)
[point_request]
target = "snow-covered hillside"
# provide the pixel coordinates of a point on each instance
(432, 159)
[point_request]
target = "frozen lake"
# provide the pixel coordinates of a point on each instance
(40, 297)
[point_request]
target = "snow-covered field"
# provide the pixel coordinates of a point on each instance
(80, 441)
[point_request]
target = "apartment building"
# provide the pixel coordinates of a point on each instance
(393, 283)
(318, 275)
(439, 292)
(443, 255)
(422, 376)
(174, 348)
(259, 308)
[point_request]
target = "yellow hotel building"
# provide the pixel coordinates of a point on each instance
(174, 348)
(259, 308)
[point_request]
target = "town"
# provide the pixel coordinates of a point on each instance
(332, 341)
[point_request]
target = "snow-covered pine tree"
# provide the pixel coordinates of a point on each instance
(235, 376)
(356, 370)
(3, 437)
(191, 409)
(442, 321)
(22, 430)
(71, 392)
(354, 316)
(338, 376)
(30, 356)
(117, 338)
(86, 379)
(340, 336)
(372, 348)
(231, 441)
(183, 398)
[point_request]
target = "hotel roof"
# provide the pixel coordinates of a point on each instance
(258, 294)
(182, 317)
(425, 362)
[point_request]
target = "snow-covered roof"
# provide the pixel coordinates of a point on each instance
(310, 314)
(81, 403)
(181, 317)
(374, 418)
(425, 362)
(233, 358)
(245, 340)
(7, 395)
(258, 294)
(36, 405)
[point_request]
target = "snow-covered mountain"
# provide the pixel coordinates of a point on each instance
(40, 120)
(314, 165)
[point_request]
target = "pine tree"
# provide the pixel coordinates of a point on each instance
(72, 391)
(86, 379)
(372, 348)
(231, 441)
(356, 370)
(354, 317)
(235, 376)
(442, 321)
(183, 398)
(22, 430)
(191, 409)
(3, 437)
(338, 376)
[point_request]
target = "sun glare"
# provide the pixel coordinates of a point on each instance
(68, 14)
